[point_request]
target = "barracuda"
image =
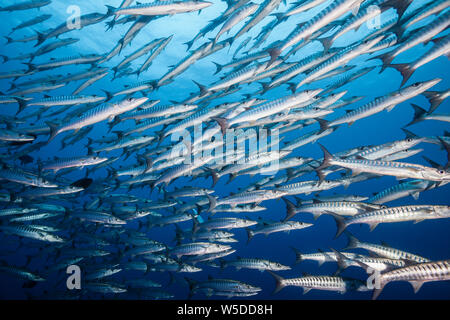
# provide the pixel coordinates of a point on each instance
(246, 197)
(328, 283)
(408, 188)
(342, 57)
(332, 12)
(254, 263)
(158, 8)
(28, 232)
(382, 250)
(307, 187)
(95, 115)
(385, 103)
(400, 170)
(196, 248)
(268, 228)
(317, 208)
(422, 35)
(268, 109)
(237, 16)
(441, 47)
(416, 275)
(415, 213)
(263, 11)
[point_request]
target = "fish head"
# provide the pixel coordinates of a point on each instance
(311, 93)
(131, 103)
(442, 211)
(435, 174)
(369, 43)
(419, 87)
(278, 266)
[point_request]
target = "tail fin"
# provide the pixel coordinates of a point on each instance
(22, 104)
(386, 58)
(40, 38)
(298, 255)
(400, 6)
(9, 40)
(353, 242)
(435, 99)
(265, 86)
(279, 282)
(419, 113)
(223, 123)
(202, 88)
(218, 67)
(280, 17)
(274, 54)
(326, 42)
(340, 223)
(109, 95)
(324, 124)
(110, 11)
(405, 69)
(250, 235)
(53, 130)
(189, 44)
(212, 202)
(290, 209)
(341, 260)
(327, 157)
(447, 149)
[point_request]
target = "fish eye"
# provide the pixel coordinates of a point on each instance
(416, 84)
(130, 99)
(441, 171)
(409, 139)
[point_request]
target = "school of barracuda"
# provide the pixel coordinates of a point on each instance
(110, 231)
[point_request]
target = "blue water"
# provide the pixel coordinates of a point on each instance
(430, 239)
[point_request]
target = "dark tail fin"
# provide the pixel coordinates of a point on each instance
(298, 255)
(22, 104)
(324, 124)
(218, 67)
(250, 235)
(341, 260)
(53, 130)
(290, 209)
(212, 202)
(279, 282)
(189, 44)
(326, 43)
(386, 58)
(110, 11)
(399, 5)
(352, 243)
(280, 17)
(340, 223)
(40, 38)
(109, 95)
(447, 149)
(419, 113)
(223, 123)
(202, 88)
(9, 40)
(327, 157)
(405, 69)
(274, 54)
(435, 99)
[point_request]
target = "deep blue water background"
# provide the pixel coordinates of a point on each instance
(430, 239)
